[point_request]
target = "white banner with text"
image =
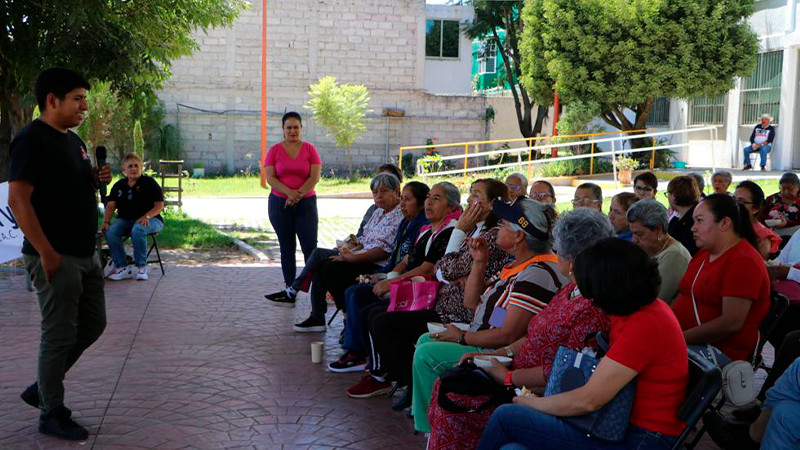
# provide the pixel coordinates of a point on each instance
(10, 234)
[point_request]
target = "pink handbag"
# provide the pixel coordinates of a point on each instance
(407, 295)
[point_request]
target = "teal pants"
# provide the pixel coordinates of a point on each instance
(431, 359)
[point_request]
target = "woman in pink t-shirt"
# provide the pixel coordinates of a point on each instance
(751, 196)
(293, 168)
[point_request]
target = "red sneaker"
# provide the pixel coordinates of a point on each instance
(369, 387)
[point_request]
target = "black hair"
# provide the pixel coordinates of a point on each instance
(722, 206)
(57, 81)
(419, 191)
(394, 170)
(647, 178)
(617, 275)
(494, 189)
(291, 115)
(755, 191)
(597, 192)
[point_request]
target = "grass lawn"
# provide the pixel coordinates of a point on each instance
(181, 232)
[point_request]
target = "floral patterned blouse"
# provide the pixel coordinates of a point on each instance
(455, 265)
(774, 206)
(566, 321)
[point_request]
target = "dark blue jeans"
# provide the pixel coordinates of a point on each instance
(356, 298)
(519, 427)
(300, 220)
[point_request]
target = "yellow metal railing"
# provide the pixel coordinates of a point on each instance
(528, 141)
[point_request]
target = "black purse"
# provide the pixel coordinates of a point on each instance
(468, 379)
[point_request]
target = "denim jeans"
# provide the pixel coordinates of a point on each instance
(73, 307)
(784, 401)
(300, 220)
(120, 228)
(303, 280)
(518, 427)
(762, 150)
(355, 299)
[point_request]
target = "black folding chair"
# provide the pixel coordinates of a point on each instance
(705, 382)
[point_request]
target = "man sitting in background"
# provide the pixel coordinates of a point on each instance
(760, 141)
(517, 186)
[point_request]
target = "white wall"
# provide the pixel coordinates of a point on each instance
(449, 76)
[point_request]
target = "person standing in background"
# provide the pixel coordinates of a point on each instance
(293, 169)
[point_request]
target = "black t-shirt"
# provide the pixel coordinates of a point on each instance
(681, 230)
(417, 256)
(64, 196)
(134, 202)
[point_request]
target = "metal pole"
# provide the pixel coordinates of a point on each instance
(713, 133)
(263, 93)
(653, 155)
(614, 163)
(591, 161)
(466, 155)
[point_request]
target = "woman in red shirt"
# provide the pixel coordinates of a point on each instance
(645, 343)
(293, 168)
(727, 280)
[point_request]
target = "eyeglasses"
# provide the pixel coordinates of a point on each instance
(742, 201)
(643, 188)
(666, 194)
(539, 195)
(584, 201)
(514, 187)
(132, 166)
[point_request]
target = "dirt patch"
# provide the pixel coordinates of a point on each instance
(230, 255)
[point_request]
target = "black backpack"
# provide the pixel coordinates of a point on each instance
(468, 379)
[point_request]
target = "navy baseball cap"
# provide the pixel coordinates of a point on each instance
(526, 214)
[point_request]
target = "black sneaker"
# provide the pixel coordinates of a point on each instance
(404, 401)
(281, 299)
(747, 167)
(728, 435)
(747, 414)
(349, 362)
(59, 424)
(310, 325)
(31, 395)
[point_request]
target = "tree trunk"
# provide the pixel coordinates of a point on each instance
(6, 132)
(349, 160)
(614, 115)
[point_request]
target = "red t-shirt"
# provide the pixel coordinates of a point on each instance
(765, 233)
(739, 272)
(292, 172)
(650, 341)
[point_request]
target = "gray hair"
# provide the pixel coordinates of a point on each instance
(724, 174)
(650, 213)
(384, 180)
(521, 177)
(701, 182)
(540, 215)
(579, 229)
(451, 193)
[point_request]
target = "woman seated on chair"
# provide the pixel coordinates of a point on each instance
(645, 343)
(138, 201)
(751, 196)
(566, 320)
(783, 207)
(724, 294)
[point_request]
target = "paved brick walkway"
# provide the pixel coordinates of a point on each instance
(194, 359)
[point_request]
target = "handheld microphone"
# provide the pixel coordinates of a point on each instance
(100, 155)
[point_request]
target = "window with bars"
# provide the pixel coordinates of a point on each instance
(488, 57)
(761, 91)
(659, 113)
(707, 110)
(441, 38)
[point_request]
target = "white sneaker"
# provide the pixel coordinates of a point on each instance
(123, 273)
(109, 268)
(141, 273)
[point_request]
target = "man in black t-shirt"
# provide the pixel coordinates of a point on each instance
(53, 196)
(138, 201)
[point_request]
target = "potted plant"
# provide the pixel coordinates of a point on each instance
(198, 170)
(625, 166)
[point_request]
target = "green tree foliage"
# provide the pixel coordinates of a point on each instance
(491, 16)
(340, 109)
(138, 139)
(131, 44)
(625, 53)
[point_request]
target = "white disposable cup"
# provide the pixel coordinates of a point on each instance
(316, 352)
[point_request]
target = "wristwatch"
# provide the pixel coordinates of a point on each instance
(509, 352)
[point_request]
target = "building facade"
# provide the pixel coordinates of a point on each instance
(411, 57)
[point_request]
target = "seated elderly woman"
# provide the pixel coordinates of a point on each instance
(724, 294)
(750, 195)
(618, 214)
(517, 185)
(782, 210)
(683, 195)
(645, 185)
(621, 280)
(543, 191)
(138, 201)
(566, 320)
(503, 306)
(339, 272)
(588, 195)
(648, 221)
(721, 181)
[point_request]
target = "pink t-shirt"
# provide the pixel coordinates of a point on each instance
(292, 172)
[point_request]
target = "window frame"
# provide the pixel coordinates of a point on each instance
(441, 40)
(708, 109)
(482, 60)
(750, 112)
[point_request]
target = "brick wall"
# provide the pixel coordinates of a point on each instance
(371, 42)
